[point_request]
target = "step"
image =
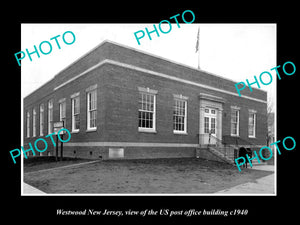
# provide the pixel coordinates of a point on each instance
(220, 155)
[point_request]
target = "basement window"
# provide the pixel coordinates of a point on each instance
(116, 153)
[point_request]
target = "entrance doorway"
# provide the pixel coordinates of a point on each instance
(210, 119)
(210, 124)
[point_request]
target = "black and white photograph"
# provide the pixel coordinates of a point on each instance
(173, 115)
(150, 118)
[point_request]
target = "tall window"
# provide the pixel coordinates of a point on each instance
(50, 116)
(92, 110)
(251, 124)
(235, 121)
(34, 123)
(41, 119)
(206, 125)
(75, 113)
(62, 111)
(209, 121)
(147, 108)
(212, 125)
(28, 124)
(180, 116)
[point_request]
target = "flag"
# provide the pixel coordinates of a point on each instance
(197, 43)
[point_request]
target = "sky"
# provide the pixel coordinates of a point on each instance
(233, 51)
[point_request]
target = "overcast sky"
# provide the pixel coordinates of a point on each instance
(234, 51)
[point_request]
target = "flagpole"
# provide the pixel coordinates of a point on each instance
(198, 60)
(197, 46)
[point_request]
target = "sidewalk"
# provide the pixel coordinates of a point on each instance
(264, 185)
(28, 189)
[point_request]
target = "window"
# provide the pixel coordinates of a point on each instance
(147, 108)
(41, 119)
(75, 113)
(235, 120)
(92, 110)
(252, 122)
(50, 116)
(180, 116)
(212, 125)
(34, 123)
(62, 111)
(210, 121)
(28, 124)
(116, 153)
(206, 125)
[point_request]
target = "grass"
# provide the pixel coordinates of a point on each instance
(48, 162)
(137, 176)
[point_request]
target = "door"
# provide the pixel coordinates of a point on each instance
(210, 124)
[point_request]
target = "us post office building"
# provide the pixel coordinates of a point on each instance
(119, 102)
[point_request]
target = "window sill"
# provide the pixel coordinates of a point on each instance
(234, 135)
(251, 137)
(74, 131)
(145, 130)
(91, 129)
(180, 132)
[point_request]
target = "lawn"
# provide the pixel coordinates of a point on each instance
(137, 176)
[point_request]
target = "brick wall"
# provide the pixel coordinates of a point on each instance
(122, 109)
(99, 152)
(119, 53)
(117, 104)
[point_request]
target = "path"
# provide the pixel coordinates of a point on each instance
(264, 185)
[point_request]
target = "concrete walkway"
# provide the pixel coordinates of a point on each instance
(28, 189)
(264, 185)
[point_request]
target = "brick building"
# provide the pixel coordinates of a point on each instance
(119, 102)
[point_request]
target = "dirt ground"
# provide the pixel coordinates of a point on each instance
(138, 176)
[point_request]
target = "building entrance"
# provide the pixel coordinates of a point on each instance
(210, 124)
(210, 121)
